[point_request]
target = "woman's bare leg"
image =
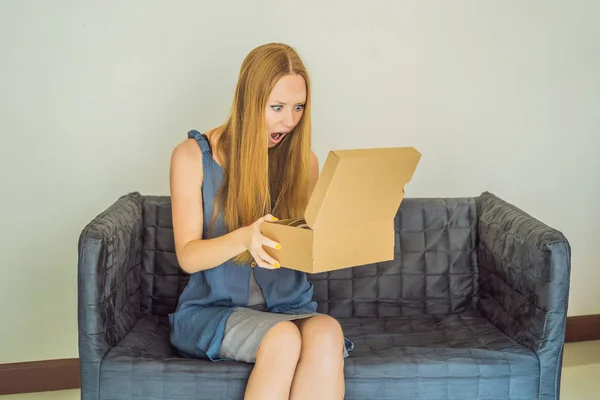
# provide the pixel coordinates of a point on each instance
(276, 361)
(320, 372)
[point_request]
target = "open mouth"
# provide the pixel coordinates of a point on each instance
(277, 137)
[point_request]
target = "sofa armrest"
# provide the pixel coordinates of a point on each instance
(109, 266)
(524, 268)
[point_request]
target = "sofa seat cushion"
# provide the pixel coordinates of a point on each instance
(458, 357)
(144, 365)
(461, 356)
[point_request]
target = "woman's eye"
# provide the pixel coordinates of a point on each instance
(299, 107)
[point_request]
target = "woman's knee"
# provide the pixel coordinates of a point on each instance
(282, 341)
(322, 334)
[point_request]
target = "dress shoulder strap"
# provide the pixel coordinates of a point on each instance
(202, 141)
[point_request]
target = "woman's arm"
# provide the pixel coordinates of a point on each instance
(194, 253)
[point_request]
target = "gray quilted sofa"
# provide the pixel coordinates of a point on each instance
(472, 307)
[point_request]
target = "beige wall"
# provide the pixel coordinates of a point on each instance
(94, 96)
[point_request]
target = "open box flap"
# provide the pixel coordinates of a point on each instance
(360, 186)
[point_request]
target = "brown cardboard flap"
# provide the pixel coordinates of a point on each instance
(357, 186)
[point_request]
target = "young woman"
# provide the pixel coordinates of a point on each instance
(240, 304)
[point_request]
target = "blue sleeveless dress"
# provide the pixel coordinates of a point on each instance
(224, 312)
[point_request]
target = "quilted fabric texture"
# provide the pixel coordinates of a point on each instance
(525, 270)
(434, 270)
(143, 366)
(461, 356)
(458, 356)
(162, 279)
(473, 306)
(110, 255)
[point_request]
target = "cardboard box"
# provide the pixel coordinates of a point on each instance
(349, 219)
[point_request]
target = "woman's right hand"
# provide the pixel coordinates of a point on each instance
(255, 240)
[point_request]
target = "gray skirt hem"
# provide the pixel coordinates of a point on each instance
(245, 329)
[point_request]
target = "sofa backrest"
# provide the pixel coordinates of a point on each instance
(162, 280)
(434, 271)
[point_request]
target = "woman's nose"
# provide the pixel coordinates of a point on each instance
(288, 120)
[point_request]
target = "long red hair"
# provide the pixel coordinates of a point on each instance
(259, 180)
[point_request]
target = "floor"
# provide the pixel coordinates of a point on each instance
(580, 378)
